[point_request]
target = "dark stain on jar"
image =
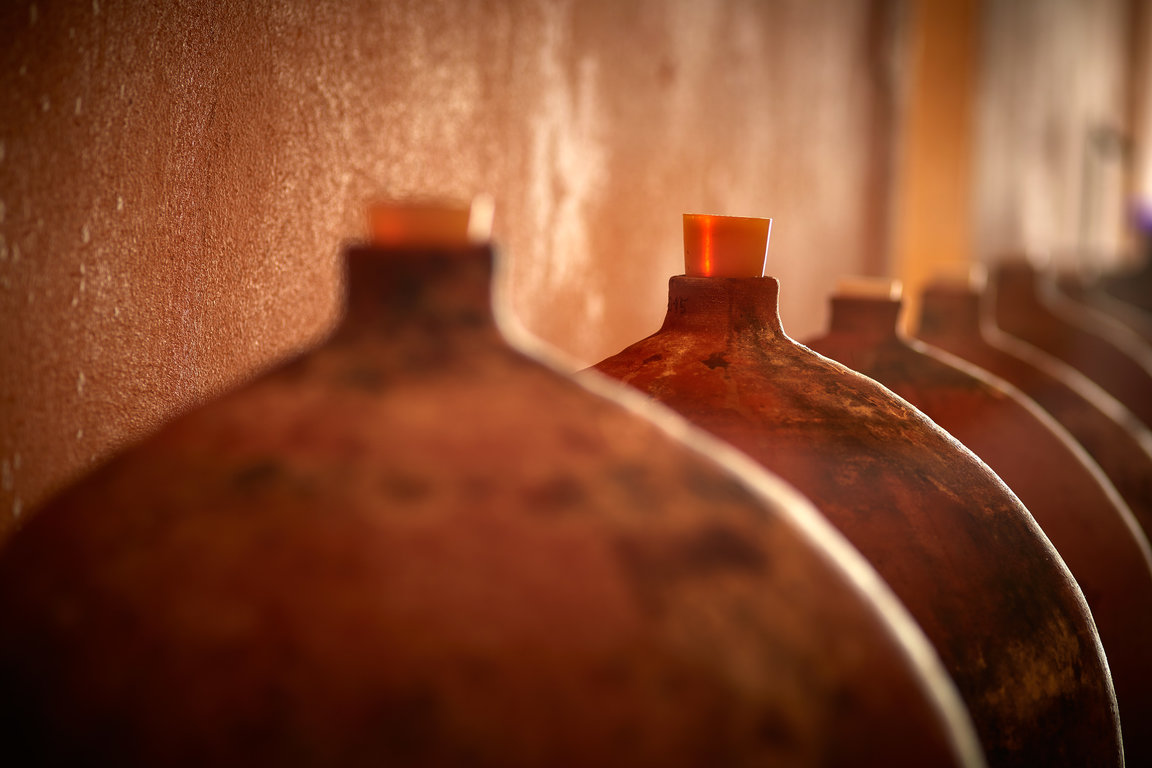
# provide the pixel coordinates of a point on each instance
(716, 361)
(636, 482)
(562, 493)
(775, 728)
(257, 475)
(656, 568)
(719, 548)
(364, 378)
(405, 487)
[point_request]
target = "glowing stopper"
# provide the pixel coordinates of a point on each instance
(430, 224)
(725, 246)
(869, 288)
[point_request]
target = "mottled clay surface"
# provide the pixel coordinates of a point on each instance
(176, 178)
(953, 542)
(1099, 302)
(1090, 525)
(417, 547)
(1027, 307)
(1132, 286)
(1114, 436)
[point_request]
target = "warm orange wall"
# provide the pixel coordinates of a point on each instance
(175, 179)
(933, 194)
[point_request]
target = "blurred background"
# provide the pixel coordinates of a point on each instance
(177, 179)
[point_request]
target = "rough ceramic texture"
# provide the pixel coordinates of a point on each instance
(176, 178)
(416, 546)
(1113, 436)
(1027, 306)
(953, 542)
(1067, 493)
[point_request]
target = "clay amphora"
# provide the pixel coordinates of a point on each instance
(956, 318)
(1134, 286)
(417, 546)
(1027, 306)
(1066, 492)
(955, 544)
(1090, 296)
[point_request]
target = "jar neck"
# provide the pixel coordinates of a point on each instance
(1015, 286)
(417, 290)
(873, 319)
(740, 304)
(946, 311)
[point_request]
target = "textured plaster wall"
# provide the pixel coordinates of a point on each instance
(176, 178)
(1053, 91)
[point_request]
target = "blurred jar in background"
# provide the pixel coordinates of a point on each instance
(1068, 494)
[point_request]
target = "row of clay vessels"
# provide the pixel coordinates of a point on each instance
(419, 545)
(1075, 502)
(955, 544)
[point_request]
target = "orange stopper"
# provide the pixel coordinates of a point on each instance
(430, 224)
(963, 274)
(869, 288)
(725, 246)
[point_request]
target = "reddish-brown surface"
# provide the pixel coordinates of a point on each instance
(1134, 286)
(1027, 307)
(1113, 436)
(953, 542)
(415, 546)
(1071, 498)
(1093, 298)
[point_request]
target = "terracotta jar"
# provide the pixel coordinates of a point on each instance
(1065, 491)
(1025, 306)
(954, 317)
(1091, 297)
(1134, 286)
(954, 543)
(417, 546)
